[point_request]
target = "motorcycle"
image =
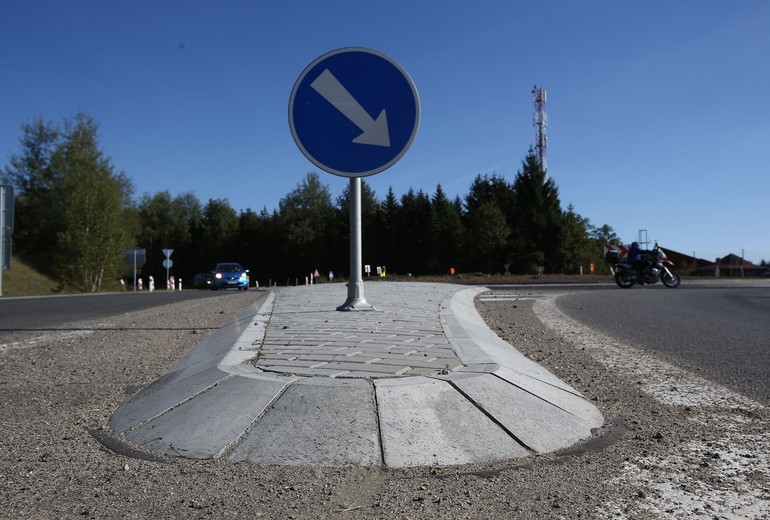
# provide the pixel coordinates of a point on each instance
(659, 267)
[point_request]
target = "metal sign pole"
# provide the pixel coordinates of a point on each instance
(167, 263)
(356, 300)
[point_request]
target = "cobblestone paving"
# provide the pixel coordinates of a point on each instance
(307, 336)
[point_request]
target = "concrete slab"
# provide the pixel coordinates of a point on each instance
(425, 422)
(569, 401)
(212, 422)
(317, 421)
(524, 415)
(153, 401)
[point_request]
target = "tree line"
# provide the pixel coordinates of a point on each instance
(76, 216)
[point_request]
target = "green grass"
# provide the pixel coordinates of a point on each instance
(23, 280)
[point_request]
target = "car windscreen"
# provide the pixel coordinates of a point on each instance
(229, 268)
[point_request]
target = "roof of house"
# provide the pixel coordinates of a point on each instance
(728, 263)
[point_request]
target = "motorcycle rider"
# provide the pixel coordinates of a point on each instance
(636, 258)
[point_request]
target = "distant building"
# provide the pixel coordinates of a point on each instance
(730, 266)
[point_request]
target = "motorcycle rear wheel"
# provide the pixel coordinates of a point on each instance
(624, 279)
(672, 281)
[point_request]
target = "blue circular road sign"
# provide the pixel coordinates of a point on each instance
(354, 112)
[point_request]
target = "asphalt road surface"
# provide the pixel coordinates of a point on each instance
(723, 332)
(54, 312)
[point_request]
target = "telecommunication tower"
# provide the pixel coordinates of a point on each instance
(540, 121)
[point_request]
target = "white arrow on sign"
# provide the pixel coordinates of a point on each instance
(375, 131)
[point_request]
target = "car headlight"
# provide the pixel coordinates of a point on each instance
(218, 275)
(244, 275)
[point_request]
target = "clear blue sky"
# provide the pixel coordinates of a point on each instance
(659, 117)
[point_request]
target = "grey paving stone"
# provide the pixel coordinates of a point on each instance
(425, 422)
(146, 404)
(208, 424)
(523, 414)
(317, 421)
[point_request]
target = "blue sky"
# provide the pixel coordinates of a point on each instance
(659, 117)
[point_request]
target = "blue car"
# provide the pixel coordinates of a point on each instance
(230, 274)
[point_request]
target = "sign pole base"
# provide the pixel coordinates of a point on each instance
(355, 304)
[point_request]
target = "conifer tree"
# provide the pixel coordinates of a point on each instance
(537, 220)
(447, 233)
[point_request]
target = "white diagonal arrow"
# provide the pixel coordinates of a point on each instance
(375, 131)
